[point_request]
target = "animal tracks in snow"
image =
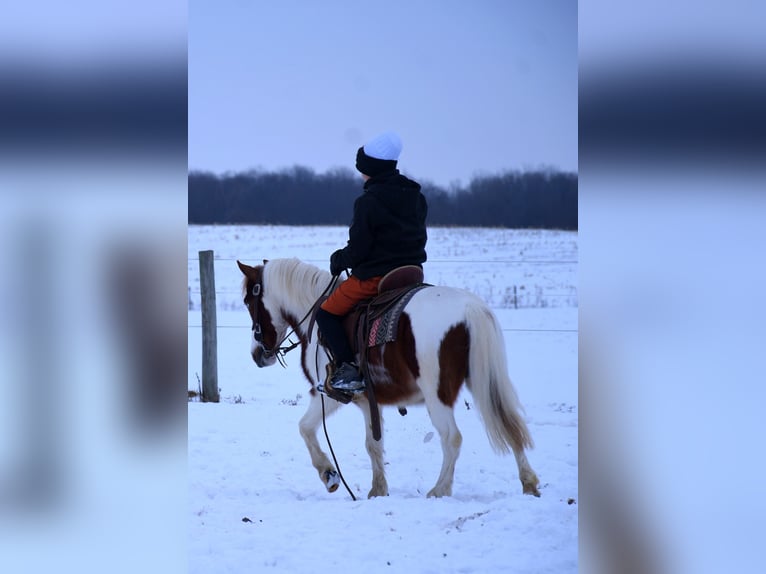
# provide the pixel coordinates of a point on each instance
(458, 524)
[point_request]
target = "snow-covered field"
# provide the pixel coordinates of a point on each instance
(255, 501)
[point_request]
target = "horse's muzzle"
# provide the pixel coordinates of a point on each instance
(262, 357)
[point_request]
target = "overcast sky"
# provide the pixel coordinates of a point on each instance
(471, 87)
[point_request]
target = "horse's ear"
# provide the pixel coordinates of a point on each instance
(246, 269)
(265, 261)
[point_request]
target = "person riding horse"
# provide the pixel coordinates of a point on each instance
(388, 230)
(446, 340)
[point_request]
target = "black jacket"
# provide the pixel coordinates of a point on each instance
(388, 229)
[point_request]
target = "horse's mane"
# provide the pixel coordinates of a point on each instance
(293, 283)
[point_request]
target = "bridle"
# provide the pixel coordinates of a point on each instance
(256, 293)
(278, 350)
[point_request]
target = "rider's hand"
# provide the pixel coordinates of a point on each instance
(337, 264)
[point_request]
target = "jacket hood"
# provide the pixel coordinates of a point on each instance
(396, 191)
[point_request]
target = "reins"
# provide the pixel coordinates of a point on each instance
(284, 350)
(332, 452)
(281, 351)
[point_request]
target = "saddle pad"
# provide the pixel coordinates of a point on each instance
(383, 328)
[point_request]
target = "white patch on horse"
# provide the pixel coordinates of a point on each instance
(253, 345)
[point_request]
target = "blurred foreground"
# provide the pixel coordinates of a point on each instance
(92, 288)
(672, 204)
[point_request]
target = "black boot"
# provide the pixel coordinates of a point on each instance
(334, 336)
(347, 378)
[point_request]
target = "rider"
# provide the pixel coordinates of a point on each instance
(388, 230)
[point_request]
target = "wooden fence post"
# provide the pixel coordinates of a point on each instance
(209, 325)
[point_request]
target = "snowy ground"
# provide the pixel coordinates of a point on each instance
(256, 502)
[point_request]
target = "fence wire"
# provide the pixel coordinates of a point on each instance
(229, 292)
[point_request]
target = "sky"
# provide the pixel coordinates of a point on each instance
(472, 88)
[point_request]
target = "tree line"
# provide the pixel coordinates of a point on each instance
(544, 199)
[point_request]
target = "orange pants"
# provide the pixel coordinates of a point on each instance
(349, 293)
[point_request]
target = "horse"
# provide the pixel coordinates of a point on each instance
(445, 337)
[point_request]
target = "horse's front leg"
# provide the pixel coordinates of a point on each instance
(375, 450)
(308, 426)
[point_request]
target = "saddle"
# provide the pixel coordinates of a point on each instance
(374, 322)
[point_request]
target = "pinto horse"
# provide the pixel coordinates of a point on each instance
(445, 337)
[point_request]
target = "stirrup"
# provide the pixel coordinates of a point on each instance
(340, 396)
(343, 386)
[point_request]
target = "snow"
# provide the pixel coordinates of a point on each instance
(257, 504)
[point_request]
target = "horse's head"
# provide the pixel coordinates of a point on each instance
(269, 327)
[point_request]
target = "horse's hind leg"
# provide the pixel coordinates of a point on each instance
(443, 418)
(527, 476)
(375, 450)
(308, 425)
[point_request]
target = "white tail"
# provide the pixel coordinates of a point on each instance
(490, 384)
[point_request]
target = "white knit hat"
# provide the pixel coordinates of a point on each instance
(386, 146)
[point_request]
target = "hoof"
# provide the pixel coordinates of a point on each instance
(434, 493)
(531, 489)
(331, 480)
(375, 493)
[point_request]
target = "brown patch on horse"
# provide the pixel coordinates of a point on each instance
(247, 270)
(400, 363)
(453, 363)
(255, 306)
